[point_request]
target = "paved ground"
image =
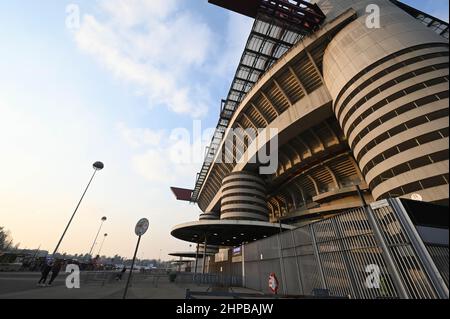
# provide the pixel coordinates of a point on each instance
(23, 286)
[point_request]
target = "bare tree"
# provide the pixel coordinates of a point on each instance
(6, 241)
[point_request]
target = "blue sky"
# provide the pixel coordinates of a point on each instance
(437, 8)
(106, 91)
(112, 89)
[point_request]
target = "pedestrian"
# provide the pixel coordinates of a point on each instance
(119, 275)
(55, 271)
(45, 271)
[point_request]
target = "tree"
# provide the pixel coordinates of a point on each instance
(6, 241)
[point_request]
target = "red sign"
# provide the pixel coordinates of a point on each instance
(273, 283)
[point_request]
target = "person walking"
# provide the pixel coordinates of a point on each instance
(55, 271)
(45, 271)
(119, 275)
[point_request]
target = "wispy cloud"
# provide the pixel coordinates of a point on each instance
(140, 137)
(162, 50)
(235, 40)
(154, 46)
(164, 157)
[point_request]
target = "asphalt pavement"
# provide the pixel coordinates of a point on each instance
(21, 282)
(24, 286)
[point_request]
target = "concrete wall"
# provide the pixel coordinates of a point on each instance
(390, 91)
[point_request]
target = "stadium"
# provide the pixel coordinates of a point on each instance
(357, 92)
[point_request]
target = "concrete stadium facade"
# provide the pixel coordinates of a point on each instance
(355, 107)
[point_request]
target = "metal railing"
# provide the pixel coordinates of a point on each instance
(235, 295)
(211, 280)
(103, 278)
(366, 253)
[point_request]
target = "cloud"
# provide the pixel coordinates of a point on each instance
(160, 49)
(154, 46)
(140, 137)
(133, 12)
(153, 166)
(159, 165)
(235, 41)
(164, 157)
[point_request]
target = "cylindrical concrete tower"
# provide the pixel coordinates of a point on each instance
(390, 91)
(212, 249)
(209, 216)
(244, 197)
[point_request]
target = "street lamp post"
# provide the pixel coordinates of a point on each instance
(97, 167)
(95, 240)
(103, 241)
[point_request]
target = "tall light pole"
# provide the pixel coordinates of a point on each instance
(103, 241)
(97, 167)
(95, 240)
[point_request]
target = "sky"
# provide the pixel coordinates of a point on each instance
(119, 81)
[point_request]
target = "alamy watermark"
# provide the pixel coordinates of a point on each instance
(373, 19)
(373, 280)
(233, 146)
(73, 279)
(73, 16)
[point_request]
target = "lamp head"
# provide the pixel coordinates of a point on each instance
(98, 166)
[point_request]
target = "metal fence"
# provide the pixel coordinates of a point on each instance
(213, 280)
(365, 253)
(439, 254)
(104, 278)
